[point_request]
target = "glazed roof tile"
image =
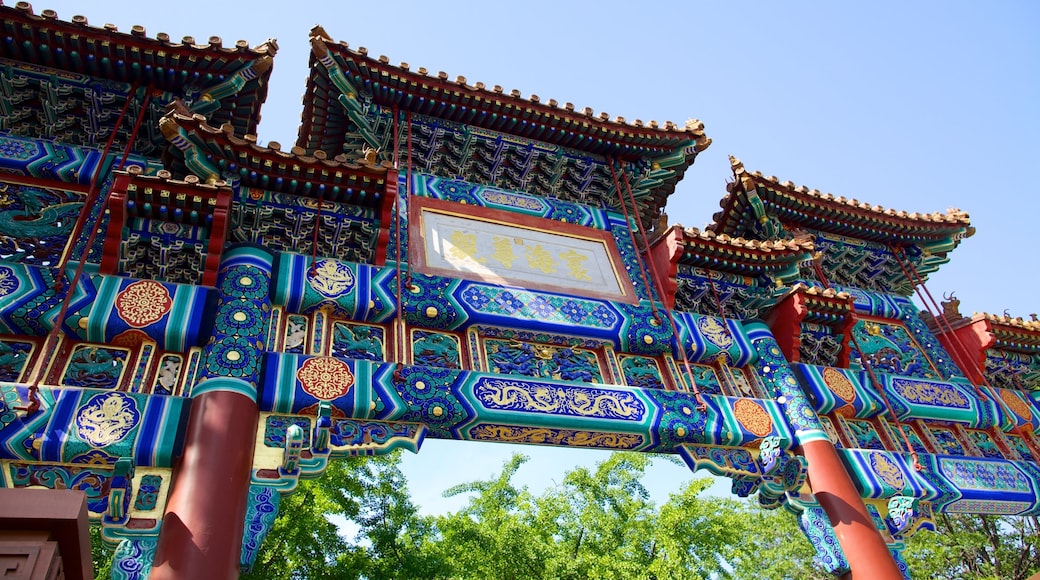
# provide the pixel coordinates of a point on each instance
(798, 246)
(810, 208)
(1005, 320)
(706, 249)
(477, 105)
(250, 159)
(104, 52)
(164, 177)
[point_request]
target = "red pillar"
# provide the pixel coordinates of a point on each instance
(201, 534)
(864, 548)
(205, 515)
(785, 322)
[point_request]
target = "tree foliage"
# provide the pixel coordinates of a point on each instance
(358, 522)
(971, 547)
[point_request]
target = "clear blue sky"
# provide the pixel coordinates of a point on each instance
(915, 106)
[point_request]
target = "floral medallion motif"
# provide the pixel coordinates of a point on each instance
(715, 332)
(325, 378)
(107, 418)
(839, 384)
(143, 302)
(753, 417)
(330, 278)
(887, 470)
(1016, 404)
(8, 281)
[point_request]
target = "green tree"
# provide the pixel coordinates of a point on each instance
(304, 542)
(972, 547)
(100, 555)
(491, 537)
(399, 544)
(774, 548)
(599, 523)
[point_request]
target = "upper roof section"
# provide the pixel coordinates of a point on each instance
(754, 199)
(340, 74)
(198, 148)
(77, 71)
(861, 245)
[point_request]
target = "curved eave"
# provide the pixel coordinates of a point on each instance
(134, 58)
(739, 256)
(850, 218)
(271, 169)
(1013, 334)
(493, 110)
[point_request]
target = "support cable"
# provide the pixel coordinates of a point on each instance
(873, 378)
(652, 289)
(724, 367)
(917, 282)
(399, 355)
(52, 335)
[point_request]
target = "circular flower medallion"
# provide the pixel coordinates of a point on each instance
(753, 417)
(325, 378)
(107, 418)
(143, 302)
(131, 338)
(839, 384)
(1016, 404)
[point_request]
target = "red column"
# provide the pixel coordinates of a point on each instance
(201, 534)
(864, 548)
(202, 528)
(785, 323)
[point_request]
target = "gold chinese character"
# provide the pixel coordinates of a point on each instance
(539, 259)
(464, 246)
(576, 265)
(503, 251)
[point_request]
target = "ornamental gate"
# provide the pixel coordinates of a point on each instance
(191, 322)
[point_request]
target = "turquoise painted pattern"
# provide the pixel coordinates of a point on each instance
(780, 380)
(233, 357)
(913, 398)
(457, 404)
(865, 403)
(99, 427)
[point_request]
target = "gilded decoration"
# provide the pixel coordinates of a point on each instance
(887, 470)
(566, 437)
(325, 378)
(533, 252)
(575, 401)
(517, 201)
(715, 332)
(8, 281)
(753, 417)
(928, 393)
(1016, 404)
(107, 418)
(839, 384)
(330, 278)
(143, 302)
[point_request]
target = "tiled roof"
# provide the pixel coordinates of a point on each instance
(158, 63)
(479, 106)
(800, 206)
(291, 171)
